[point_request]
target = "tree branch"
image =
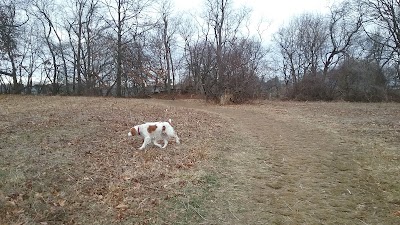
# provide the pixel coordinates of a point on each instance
(5, 73)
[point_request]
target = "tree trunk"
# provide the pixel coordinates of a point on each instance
(119, 51)
(78, 54)
(15, 88)
(167, 54)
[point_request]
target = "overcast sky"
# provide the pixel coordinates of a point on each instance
(277, 12)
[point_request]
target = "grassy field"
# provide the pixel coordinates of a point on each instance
(68, 160)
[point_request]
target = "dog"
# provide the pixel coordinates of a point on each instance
(154, 132)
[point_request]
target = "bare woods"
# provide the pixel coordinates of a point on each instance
(142, 47)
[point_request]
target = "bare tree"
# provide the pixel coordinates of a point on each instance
(31, 51)
(222, 63)
(165, 14)
(9, 31)
(301, 44)
(126, 17)
(43, 11)
(80, 5)
(312, 38)
(75, 27)
(225, 23)
(218, 10)
(344, 25)
(93, 27)
(383, 15)
(198, 55)
(285, 38)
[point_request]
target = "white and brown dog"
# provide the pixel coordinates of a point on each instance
(154, 131)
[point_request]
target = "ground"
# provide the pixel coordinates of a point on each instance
(68, 160)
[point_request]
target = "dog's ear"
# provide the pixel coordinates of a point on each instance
(133, 132)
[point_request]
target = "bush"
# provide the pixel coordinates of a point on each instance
(393, 95)
(354, 80)
(362, 81)
(310, 88)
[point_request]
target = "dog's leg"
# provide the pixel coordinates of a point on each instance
(165, 143)
(177, 139)
(146, 141)
(156, 144)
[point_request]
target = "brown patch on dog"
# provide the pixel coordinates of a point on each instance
(133, 131)
(151, 128)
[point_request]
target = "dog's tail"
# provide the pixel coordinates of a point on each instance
(169, 121)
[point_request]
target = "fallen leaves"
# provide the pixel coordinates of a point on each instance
(122, 206)
(61, 202)
(78, 163)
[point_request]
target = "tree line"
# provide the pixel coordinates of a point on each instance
(139, 47)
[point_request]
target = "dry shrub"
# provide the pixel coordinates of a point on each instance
(394, 95)
(360, 80)
(226, 99)
(310, 88)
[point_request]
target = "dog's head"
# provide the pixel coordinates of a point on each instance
(133, 131)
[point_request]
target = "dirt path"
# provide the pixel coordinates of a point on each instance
(277, 167)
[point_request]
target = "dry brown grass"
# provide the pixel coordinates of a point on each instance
(307, 163)
(68, 160)
(329, 163)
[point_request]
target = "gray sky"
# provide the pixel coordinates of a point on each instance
(277, 12)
